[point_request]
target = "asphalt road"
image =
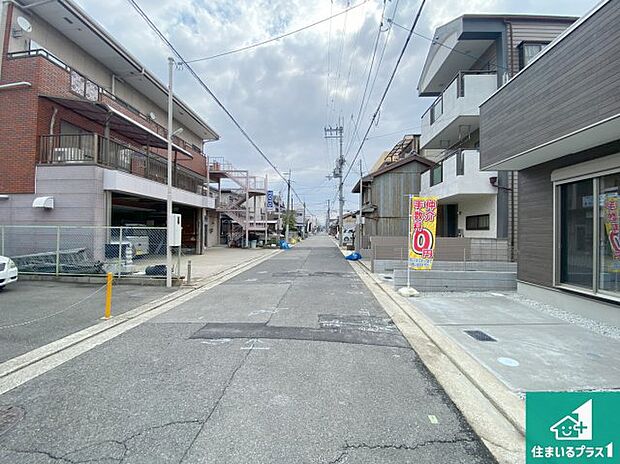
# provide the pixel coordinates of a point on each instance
(33, 314)
(292, 361)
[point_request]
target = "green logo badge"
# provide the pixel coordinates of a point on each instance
(566, 427)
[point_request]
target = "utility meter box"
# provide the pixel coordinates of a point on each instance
(175, 237)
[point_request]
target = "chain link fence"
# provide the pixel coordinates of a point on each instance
(88, 250)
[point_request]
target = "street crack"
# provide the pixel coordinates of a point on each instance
(348, 447)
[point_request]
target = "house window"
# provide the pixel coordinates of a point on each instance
(576, 233)
(437, 109)
(460, 163)
(528, 50)
(588, 234)
(436, 174)
(479, 222)
(609, 234)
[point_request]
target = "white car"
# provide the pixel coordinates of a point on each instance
(8, 271)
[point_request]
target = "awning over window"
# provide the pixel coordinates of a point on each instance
(118, 122)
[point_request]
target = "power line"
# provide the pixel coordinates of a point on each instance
(372, 62)
(393, 133)
(209, 91)
(387, 88)
(387, 38)
(273, 39)
(344, 39)
(351, 60)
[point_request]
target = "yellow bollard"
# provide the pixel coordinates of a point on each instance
(108, 297)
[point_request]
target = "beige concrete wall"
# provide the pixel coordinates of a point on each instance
(213, 228)
(4, 8)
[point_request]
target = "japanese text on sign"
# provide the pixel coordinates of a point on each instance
(422, 227)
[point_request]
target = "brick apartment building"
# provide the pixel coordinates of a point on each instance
(82, 136)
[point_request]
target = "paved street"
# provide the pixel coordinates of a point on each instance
(292, 361)
(33, 313)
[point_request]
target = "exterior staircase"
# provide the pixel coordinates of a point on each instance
(238, 194)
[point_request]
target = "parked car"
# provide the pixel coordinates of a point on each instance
(8, 271)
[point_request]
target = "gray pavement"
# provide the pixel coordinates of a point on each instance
(33, 314)
(534, 347)
(195, 385)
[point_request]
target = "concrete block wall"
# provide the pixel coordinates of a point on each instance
(388, 265)
(457, 281)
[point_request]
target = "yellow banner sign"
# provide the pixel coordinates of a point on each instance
(422, 227)
(612, 227)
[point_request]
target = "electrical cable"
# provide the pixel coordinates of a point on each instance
(381, 56)
(273, 39)
(209, 91)
(387, 88)
(372, 61)
(441, 44)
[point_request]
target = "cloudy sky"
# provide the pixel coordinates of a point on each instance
(284, 93)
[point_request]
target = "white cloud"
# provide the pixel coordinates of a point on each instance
(278, 92)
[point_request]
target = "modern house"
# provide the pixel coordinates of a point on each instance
(469, 59)
(385, 206)
(83, 137)
(557, 123)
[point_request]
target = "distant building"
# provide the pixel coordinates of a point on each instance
(469, 59)
(557, 123)
(385, 208)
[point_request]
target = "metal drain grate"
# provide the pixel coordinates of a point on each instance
(480, 335)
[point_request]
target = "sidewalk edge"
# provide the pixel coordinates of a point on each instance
(494, 412)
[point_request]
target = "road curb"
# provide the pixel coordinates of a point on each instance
(495, 412)
(23, 368)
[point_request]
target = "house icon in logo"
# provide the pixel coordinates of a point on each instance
(575, 426)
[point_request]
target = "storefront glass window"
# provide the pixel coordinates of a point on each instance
(609, 233)
(577, 224)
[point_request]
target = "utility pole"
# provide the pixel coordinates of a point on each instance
(279, 224)
(288, 206)
(328, 218)
(336, 133)
(303, 233)
(168, 180)
(358, 232)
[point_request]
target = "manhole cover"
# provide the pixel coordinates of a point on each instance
(480, 335)
(9, 417)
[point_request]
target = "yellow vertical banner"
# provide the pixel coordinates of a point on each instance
(612, 227)
(422, 228)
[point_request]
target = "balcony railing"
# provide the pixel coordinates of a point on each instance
(81, 85)
(94, 149)
(456, 84)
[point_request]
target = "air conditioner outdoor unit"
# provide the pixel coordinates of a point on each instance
(70, 155)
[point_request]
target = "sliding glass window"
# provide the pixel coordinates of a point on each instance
(576, 229)
(609, 234)
(589, 235)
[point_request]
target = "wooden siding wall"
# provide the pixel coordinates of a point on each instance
(573, 85)
(389, 194)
